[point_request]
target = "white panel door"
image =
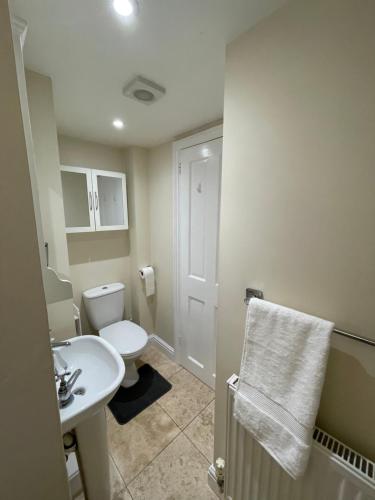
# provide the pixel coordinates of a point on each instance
(200, 173)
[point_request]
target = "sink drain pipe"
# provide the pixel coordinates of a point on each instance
(70, 443)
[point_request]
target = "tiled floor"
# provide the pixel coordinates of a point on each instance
(164, 452)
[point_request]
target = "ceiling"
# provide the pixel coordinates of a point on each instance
(90, 53)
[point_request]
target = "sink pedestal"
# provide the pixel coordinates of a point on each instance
(101, 373)
(92, 454)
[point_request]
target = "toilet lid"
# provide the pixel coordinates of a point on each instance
(125, 336)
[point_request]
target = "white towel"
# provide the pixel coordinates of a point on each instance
(281, 377)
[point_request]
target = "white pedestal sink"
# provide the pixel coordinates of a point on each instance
(102, 373)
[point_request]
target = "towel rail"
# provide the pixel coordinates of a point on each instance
(253, 292)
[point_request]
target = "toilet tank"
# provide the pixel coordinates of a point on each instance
(105, 304)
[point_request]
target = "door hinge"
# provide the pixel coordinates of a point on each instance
(179, 167)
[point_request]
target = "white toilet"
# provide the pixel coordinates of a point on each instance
(105, 307)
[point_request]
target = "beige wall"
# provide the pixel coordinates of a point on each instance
(116, 256)
(49, 192)
(103, 257)
(298, 205)
(31, 456)
(98, 257)
(160, 190)
(43, 125)
(139, 229)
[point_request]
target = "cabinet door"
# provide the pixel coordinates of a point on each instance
(78, 199)
(110, 201)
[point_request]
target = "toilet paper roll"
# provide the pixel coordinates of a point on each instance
(147, 274)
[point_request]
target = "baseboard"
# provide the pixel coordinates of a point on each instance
(212, 482)
(157, 342)
(162, 345)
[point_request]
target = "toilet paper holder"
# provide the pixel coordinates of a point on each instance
(141, 269)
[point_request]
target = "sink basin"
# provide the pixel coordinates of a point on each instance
(102, 372)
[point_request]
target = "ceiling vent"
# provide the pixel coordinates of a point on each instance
(143, 90)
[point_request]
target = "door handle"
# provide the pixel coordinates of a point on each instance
(90, 201)
(96, 201)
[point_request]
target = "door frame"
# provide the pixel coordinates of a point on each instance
(187, 142)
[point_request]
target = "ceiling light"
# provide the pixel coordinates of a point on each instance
(123, 7)
(118, 124)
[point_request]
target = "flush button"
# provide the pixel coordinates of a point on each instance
(104, 287)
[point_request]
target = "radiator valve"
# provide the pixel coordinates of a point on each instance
(219, 469)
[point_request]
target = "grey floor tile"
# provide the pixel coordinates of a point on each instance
(178, 473)
(187, 398)
(136, 443)
(201, 431)
(118, 488)
(158, 360)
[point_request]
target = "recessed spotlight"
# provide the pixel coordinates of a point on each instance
(123, 7)
(119, 124)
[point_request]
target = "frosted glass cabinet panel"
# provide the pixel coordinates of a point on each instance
(110, 189)
(78, 199)
(94, 200)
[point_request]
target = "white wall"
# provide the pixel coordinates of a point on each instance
(98, 257)
(298, 205)
(31, 454)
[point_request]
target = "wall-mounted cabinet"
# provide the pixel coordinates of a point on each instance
(94, 200)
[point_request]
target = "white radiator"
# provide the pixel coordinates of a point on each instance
(335, 471)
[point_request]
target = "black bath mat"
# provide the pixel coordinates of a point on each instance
(127, 403)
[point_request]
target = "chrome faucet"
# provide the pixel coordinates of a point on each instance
(58, 360)
(65, 395)
(59, 343)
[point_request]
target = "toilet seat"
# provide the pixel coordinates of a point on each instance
(126, 337)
